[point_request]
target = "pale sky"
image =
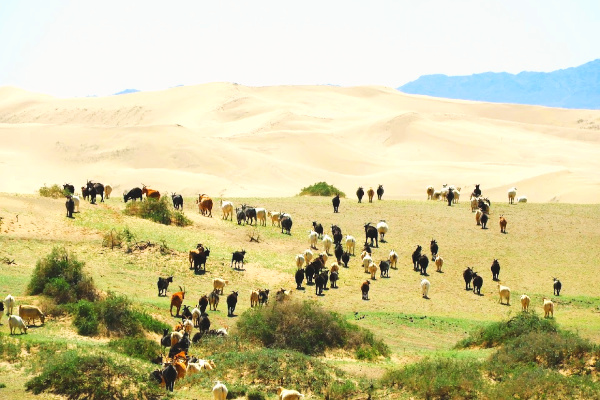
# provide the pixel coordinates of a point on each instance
(81, 48)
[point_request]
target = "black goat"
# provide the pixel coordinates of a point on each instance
(263, 296)
(495, 270)
(204, 323)
(318, 228)
(384, 269)
(371, 233)
(250, 214)
(95, 189)
(238, 257)
(423, 263)
(468, 277)
(339, 252)
(241, 216)
(169, 374)
(450, 197)
(336, 232)
(477, 283)
(133, 194)
(163, 285)
(231, 303)
(186, 313)
(165, 340)
(336, 203)
(299, 276)
(286, 223)
(484, 220)
(70, 205)
(321, 282)
(346, 258)
(379, 192)
(202, 304)
(334, 277)
(557, 287)
(364, 288)
(68, 188)
(415, 257)
(177, 201)
(200, 260)
(434, 249)
(360, 193)
(476, 192)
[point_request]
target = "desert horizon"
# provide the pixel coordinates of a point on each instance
(229, 140)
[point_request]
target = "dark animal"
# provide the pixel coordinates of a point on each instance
(197, 336)
(177, 201)
(202, 304)
(360, 193)
(182, 345)
(70, 205)
(238, 257)
(334, 277)
(85, 193)
(346, 258)
(318, 228)
(231, 303)
(450, 197)
(339, 252)
(367, 248)
(423, 263)
(476, 192)
(379, 192)
(204, 323)
(200, 260)
(433, 246)
(94, 189)
(263, 297)
(241, 216)
(250, 214)
(364, 288)
(415, 257)
(336, 203)
(484, 220)
(186, 313)
(384, 269)
(477, 283)
(336, 232)
(169, 375)
(557, 287)
(495, 270)
(165, 340)
(468, 277)
(299, 278)
(68, 188)
(163, 285)
(320, 283)
(371, 233)
(133, 194)
(286, 223)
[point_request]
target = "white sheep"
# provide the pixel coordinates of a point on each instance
(522, 199)
(439, 262)
(350, 244)
(299, 261)
(548, 308)
(327, 242)
(261, 216)
(382, 228)
(512, 193)
(393, 259)
(425, 284)
(525, 300)
(227, 209)
(504, 292)
(312, 239)
(288, 394)
(9, 303)
(14, 322)
(219, 391)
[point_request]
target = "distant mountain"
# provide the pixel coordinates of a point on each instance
(127, 91)
(577, 87)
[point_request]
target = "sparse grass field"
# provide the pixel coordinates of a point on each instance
(543, 240)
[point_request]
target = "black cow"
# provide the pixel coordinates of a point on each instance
(163, 285)
(69, 189)
(384, 268)
(423, 263)
(477, 283)
(70, 205)
(286, 223)
(468, 277)
(379, 192)
(299, 276)
(336, 232)
(95, 189)
(433, 246)
(346, 258)
(318, 228)
(415, 257)
(200, 260)
(360, 193)
(238, 257)
(495, 270)
(133, 194)
(336, 203)
(177, 201)
(557, 287)
(339, 252)
(231, 303)
(371, 233)
(241, 216)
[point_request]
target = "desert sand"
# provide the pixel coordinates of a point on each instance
(230, 140)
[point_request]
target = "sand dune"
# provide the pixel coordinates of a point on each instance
(230, 140)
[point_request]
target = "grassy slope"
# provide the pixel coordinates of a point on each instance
(543, 240)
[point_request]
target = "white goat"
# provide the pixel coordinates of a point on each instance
(219, 284)
(425, 288)
(76, 202)
(350, 244)
(430, 191)
(367, 260)
(308, 256)
(219, 391)
(393, 259)
(288, 394)
(548, 308)
(382, 228)
(327, 242)
(14, 322)
(504, 292)
(227, 209)
(525, 300)
(312, 239)
(439, 262)
(512, 193)
(9, 303)
(522, 199)
(299, 261)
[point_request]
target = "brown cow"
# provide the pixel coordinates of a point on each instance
(205, 205)
(177, 300)
(150, 193)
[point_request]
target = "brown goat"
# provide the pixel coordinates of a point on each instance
(177, 300)
(502, 224)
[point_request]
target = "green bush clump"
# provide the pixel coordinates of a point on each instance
(60, 275)
(93, 376)
(307, 328)
(142, 348)
(87, 320)
(504, 331)
(53, 191)
(321, 189)
(160, 211)
(10, 348)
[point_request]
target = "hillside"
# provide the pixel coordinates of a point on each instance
(576, 87)
(232, 140)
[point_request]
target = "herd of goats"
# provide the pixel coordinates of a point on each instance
(310, 268)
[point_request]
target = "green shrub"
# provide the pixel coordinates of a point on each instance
(321, 189)
(254, 394)
(438, 378)
(61, 276)
(158, 211)
(53, 191)
(87, 319)
(78, 376)
(149, 323)
(307, 328)
(502, 332)
(10, 349)
(142, 348)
